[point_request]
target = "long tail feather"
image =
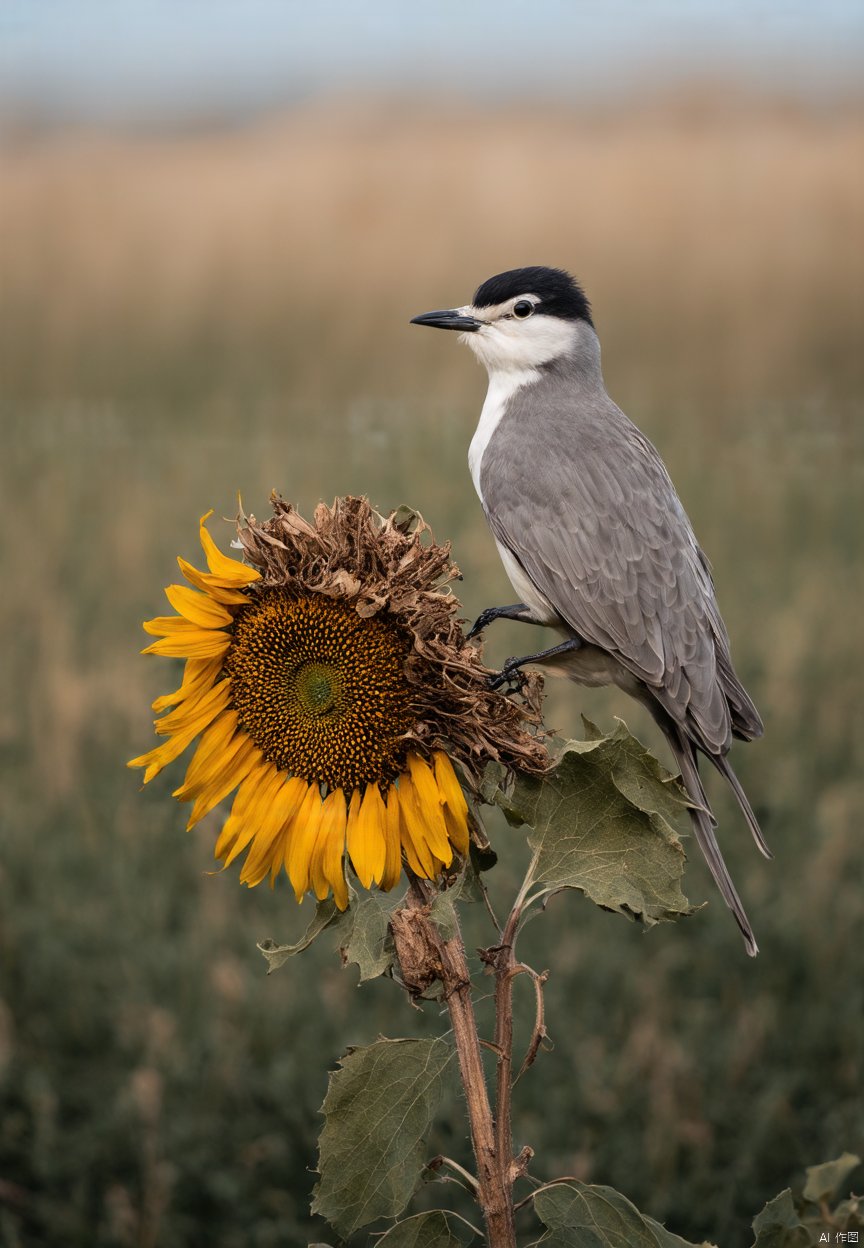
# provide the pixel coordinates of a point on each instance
(703, 828)
(724, 767)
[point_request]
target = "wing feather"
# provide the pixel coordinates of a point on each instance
(594, 520)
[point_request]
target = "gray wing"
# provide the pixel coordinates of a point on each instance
(592, 516)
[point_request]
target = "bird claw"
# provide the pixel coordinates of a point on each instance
(483, 619)
(511, 674)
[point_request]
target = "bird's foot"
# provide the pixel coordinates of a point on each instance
(517, 611)
(511, 675)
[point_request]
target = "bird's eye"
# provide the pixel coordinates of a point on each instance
(522, 309)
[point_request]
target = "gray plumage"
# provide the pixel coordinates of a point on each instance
(624, 573)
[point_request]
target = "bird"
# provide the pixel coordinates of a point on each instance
(594, 538)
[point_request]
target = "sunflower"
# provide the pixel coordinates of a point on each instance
(330, 688)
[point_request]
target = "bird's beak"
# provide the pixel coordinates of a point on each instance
(449, 318)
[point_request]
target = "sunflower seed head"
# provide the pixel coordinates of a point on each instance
(393, 566)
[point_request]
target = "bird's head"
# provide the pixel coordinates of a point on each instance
(520, 319)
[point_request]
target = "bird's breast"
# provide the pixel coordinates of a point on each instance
(502, 387)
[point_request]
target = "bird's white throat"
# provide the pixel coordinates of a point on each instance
(506, 343)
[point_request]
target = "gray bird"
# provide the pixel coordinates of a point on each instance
(594, 537)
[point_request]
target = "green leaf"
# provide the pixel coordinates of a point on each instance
(581, 1216)
(666, 1239)
(378, 1109)
(468, 886)
(367, 939)
(600, 825)
(429, 1230)
(363, 930)
(824, 1181)
(326, 914)
(778, 1225)
(443, 914)
(493, 782)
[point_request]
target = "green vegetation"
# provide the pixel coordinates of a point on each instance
(184, 318)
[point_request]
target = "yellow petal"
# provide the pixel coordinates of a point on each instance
(455, 806)
(448, 783)
(327, 867)
(277, 853)
(212, 585)
(215, 740)
(416, 852)
(424, 807)
(256, 813)
(245, 819)
(353, 815)
(198, 675)
(266, 847)
(162, 755)
(457, 831)
(168, 625)
(236, 820)
(216, 735)
(192, 645)
(317, 879)
(367, 847)
(198, 608)
(216, 744)
(304, 834)
(221, 785)
(198, 711)
(393, 844)
(217, 755)
(223, 566)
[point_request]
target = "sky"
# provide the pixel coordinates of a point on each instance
(162, 59)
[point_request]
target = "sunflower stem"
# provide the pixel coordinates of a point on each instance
(502, 961)
(490, 1139)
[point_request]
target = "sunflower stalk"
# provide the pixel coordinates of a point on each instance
(491, 1134)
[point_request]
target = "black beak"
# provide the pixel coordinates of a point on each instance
(449, 318)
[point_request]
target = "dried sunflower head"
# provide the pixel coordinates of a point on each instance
(329, 682)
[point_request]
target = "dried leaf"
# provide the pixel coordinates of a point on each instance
(406, 519)
(600, 824)
(824, 1181)
(418, 956)
(850, 1214)
(581, 1216)
(378, 1110)
(326, 915)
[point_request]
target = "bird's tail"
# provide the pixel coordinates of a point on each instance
(724, 767)
(704, 824)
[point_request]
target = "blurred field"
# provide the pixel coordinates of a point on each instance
(185, 316)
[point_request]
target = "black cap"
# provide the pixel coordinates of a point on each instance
(559, 294)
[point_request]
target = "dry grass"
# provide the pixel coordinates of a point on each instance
(738, 228)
